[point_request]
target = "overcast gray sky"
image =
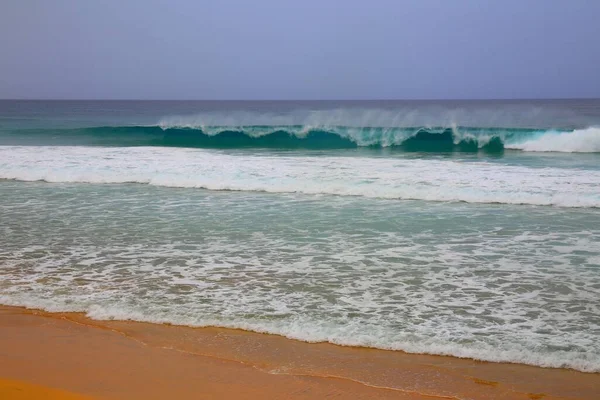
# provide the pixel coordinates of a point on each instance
(302, 49)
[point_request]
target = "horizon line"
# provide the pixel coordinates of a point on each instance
(309, 100)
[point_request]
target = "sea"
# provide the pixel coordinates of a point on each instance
(461, 228)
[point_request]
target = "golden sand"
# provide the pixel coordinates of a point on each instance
(132, 360)
(17, 390)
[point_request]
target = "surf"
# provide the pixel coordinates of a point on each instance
(424, 139)
(403, 178)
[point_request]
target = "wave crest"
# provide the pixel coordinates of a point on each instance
(412, 139)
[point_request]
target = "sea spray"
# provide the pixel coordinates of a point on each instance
(410, 139)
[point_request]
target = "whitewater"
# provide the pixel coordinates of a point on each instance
(387, 178)
(468, 229)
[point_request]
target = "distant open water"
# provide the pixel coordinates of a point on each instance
(461, 228)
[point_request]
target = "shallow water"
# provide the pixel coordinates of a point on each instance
(466, 253)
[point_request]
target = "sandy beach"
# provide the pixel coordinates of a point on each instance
(271, 200)
(69, 356)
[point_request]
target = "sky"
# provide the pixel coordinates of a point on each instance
(301, 49)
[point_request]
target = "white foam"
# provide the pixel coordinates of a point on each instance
(392, 178)
(349, 334)
(515, 284)
(579, 141)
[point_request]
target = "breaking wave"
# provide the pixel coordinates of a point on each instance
(411, 139)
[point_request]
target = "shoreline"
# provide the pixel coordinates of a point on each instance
(105, 321)
(128, 360)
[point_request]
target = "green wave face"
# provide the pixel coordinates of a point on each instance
(414, 139)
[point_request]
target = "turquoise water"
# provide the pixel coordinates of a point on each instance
(462, 228)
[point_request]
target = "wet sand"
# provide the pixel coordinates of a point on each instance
(69, 356)
(18, 390)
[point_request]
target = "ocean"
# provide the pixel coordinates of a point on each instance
(462, 228)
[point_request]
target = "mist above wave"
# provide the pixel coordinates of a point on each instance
(393, 115)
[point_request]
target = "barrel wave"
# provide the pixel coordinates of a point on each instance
(409, 139)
